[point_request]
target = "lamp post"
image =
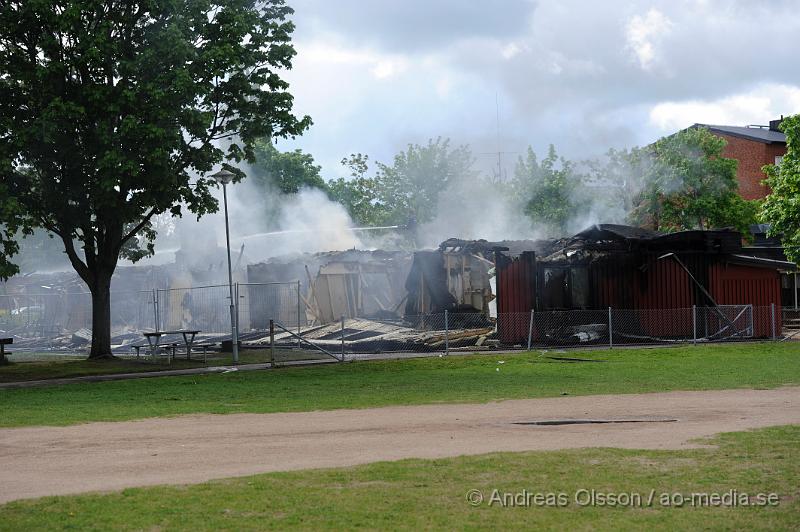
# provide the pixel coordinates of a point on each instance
(224, 177)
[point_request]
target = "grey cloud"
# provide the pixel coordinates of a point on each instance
(411, 25)
(573, 81)
(579, 52)
(576, 80)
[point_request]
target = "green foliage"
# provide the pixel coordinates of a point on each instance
(548, 191)
(781, 208)
(360, 194)
(287, 172)
(106, 108)
(409, 188)
(9, 219)
(688, 184)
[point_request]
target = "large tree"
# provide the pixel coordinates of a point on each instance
(548, 192)
(781, 209)
(360, 194)
(107, 108)
(287, 172)
(688, 184)
(9, 225)
(410, 187)
(408, 190)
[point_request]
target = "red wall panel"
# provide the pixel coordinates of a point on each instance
(516, 296)
(734, 284)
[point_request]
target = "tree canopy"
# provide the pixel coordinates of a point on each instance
(548, 191)
(781, 208)
(411, 185)
(406, 191)
(287, 172)
(108, 108)
(360, 194)
(688, 184)
(678, 183)
(9, 220)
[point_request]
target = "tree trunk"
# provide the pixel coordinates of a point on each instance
(101, 316)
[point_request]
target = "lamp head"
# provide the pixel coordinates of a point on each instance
(223, 177)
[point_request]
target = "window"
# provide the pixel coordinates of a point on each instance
(579, 281)
(554, 289)
(565, 288)
(778, 160)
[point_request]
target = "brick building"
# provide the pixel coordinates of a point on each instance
(753, 147)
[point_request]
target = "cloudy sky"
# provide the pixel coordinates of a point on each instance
(376, 75)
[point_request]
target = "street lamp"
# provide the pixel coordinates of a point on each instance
(224, 177)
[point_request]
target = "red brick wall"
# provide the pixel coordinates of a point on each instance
(752, 156)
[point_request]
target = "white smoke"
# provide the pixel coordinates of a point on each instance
(267, 223)
(305, 222)
(475, 208)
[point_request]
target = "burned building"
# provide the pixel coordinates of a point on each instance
(631, 268)
(332, 285)
(770, 247)
(459, 276)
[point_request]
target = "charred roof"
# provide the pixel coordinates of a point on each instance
(724, 240)
(487, 248)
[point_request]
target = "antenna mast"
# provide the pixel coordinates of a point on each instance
(499, 173)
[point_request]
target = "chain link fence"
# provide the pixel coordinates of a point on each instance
(276, 325)
(790, 323)
(63, 320)
(470, 332)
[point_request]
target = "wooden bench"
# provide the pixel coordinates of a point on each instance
(3, 343)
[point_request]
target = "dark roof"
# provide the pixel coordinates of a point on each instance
(724, 240)
(510, 248)
(761, 237)
(615, 231)
(758, 134)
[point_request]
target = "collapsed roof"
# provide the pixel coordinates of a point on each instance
(593, 241)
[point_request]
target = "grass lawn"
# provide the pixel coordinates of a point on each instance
(476, 378)
(415, 494)
(62, 367)
(55, 369)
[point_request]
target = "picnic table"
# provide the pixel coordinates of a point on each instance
(154, 342)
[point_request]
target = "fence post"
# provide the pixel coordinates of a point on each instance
(342, 337)
(155, 310)
(530, 331)
(298, 313)
(272, 343)
(446, 335)
(610, 331)
(236, 294)
(694, 324)
(772, 318)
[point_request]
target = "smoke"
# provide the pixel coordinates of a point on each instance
(602, 190)
(475, 208)
(607, 190)
(305, 222)
(264, 223)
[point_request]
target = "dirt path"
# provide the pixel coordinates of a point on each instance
(42, 461)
